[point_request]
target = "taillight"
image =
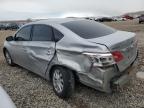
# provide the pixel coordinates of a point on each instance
(117, 55)
(100, 59)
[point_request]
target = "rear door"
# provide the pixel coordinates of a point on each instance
(41, 49)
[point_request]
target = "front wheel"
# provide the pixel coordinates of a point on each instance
(63, 82)
(8, 58)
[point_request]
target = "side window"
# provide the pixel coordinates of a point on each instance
(42, 33)
(24, 34)
(58, 35)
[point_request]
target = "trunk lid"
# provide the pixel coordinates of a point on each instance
(122, 41)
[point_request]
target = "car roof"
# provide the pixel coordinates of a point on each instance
(55, 21)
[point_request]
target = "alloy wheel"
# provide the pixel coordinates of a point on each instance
(58, 81)
(8, 58)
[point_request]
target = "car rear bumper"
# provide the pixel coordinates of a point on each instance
(104, 79)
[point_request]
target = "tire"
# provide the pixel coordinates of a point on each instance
(139, 22)
(63, 82)
(8, 58)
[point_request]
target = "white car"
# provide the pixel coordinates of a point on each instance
(5, 100)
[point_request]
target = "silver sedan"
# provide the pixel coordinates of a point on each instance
(66, 50)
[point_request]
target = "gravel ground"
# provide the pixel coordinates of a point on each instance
(28, 90)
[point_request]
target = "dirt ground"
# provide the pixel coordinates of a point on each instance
(28, 90)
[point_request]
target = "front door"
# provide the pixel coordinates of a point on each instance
(18, 53)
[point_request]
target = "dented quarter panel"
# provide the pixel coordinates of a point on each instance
(69, 54)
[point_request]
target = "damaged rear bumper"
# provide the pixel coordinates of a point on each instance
(104, 79)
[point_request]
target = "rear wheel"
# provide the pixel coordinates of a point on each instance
(63, 82)
(8, 58)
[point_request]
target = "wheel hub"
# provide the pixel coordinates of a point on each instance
(8, 59)
(58, 81)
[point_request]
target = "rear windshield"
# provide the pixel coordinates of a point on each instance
(88, 29)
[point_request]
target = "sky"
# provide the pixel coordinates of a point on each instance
(24, 9)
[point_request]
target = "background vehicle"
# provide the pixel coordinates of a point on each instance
(141, 19)
(12, 26)
(2, 27)
(127, 17)
(104, 19)
(66, 50)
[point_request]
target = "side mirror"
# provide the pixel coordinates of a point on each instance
(10, 38)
